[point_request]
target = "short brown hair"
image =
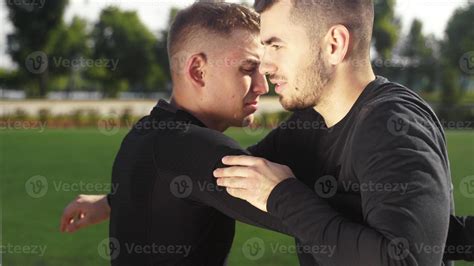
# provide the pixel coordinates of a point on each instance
(217, 17)
(356, 15)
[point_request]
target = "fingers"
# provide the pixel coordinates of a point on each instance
(238, 192)
(242, 171)
(77, 224)
(243, 160)
(233, 182)
(69, 213)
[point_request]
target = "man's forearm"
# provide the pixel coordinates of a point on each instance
(320, 227)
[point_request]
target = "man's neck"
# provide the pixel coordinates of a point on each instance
(180, 103)
(341, 94)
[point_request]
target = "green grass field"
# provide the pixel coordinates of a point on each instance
(67, 157)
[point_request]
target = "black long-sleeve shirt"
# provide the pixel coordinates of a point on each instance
(168, 209)
(381, 177)
(169, 152)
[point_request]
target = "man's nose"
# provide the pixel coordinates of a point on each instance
(266, 66)
(260, 84)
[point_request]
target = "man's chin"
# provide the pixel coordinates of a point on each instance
(292, 105)
(248, 120)
(287, 104)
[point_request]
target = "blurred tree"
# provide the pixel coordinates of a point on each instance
(386, 27)
(421, 70)
(33, 24)
(120, 37)
(161, 51)
(457, 62)
(70, 42)
(459, 35)
(457, 46)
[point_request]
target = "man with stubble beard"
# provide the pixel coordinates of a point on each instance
(381, 147)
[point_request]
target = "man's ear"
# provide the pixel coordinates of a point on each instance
(195, 69)
(338, 40)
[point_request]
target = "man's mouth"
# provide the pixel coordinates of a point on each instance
(252, 105)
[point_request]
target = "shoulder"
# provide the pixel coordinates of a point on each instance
(193, 149)
(394, 110)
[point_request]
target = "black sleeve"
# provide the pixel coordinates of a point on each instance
(207, 150)
(408, 229)
(460, 243)
(109, 199)
(279, 145)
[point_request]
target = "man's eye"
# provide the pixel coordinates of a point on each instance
(276, 46)
(248, 71)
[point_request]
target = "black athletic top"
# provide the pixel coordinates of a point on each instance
(168, 209)
(376, 187)
(379, 182)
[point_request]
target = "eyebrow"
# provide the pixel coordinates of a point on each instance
(271, 40)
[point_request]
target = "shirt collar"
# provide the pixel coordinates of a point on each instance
(179, 114)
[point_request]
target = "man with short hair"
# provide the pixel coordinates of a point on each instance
(381, 144)
(167, 208)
